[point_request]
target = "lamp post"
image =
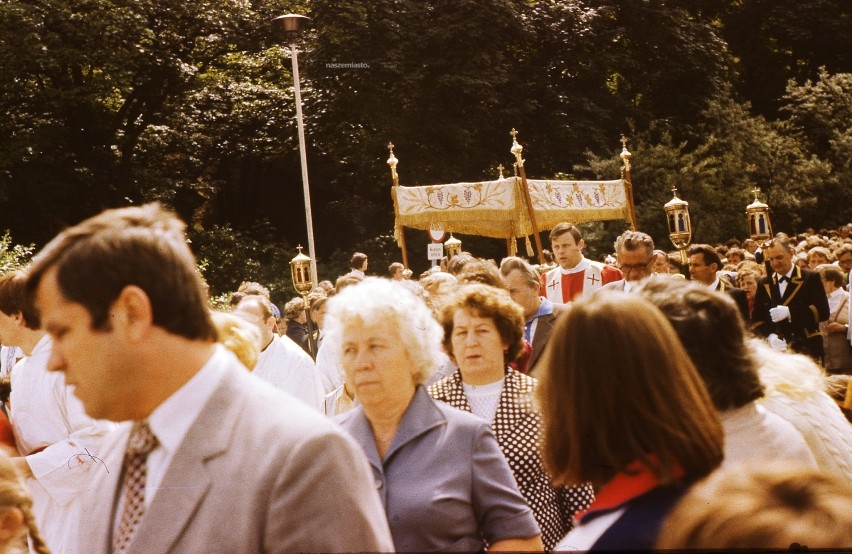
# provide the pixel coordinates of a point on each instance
(680, 227)
(292, 25)
(300, 272)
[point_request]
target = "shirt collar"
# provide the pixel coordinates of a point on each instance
(788, 275)
(584, 263)
(545, 308)
(633, 481)
(171, 420)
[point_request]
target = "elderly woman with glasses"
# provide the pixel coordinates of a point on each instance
(444, 483)
(483, 333)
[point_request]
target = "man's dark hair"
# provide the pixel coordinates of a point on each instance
(358, 259)
(142, 246)
(708, 254)
(13, 298)
(562, 228)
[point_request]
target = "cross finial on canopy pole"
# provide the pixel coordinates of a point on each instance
(392, 161)
(500, 168)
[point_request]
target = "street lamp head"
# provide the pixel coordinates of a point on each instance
(291, 24)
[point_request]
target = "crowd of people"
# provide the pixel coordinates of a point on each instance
(644, 401)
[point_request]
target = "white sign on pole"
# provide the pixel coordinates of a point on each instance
(434, 251)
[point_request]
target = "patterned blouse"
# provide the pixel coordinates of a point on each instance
(517, 426)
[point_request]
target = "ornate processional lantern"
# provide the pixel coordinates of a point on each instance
(300, 272)
(680, 228)
(452, 246)
(758, 218)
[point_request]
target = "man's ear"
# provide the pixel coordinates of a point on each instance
(19, 318)
(132, 313)
(581, 244)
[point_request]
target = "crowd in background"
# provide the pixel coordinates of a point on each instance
(645, 400)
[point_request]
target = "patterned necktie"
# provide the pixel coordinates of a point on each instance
(142, 441)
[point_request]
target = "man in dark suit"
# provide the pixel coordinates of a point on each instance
(789, 303)
(636, 258)
(209, 457)
(523, 282)
(704, 266)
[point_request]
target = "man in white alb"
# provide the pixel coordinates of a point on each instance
(282, 363)
(575, 275)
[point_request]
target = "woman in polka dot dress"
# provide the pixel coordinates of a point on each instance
(483, 332)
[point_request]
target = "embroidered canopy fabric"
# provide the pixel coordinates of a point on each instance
(499, 209)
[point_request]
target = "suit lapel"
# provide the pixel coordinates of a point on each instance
(187, 480)
(793, 286)
(542, 331)
(454, 392)
(771, 286)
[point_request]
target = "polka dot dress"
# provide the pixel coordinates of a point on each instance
(517, 426)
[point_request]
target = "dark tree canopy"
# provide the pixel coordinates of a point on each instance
(115, 101)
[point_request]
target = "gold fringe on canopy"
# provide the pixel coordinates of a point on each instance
(498, 208)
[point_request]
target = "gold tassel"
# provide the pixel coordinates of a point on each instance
(530, 252)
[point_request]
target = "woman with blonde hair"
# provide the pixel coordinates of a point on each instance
(16, 516)
(239, 336)
(625, 409)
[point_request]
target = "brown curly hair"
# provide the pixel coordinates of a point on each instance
(490, 302)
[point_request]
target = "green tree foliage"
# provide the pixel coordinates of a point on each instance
(229, 256)
(778, 40)
(13, 256)
(109, 102)
(117, 100)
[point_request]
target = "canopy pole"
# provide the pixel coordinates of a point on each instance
(628, 181)
(399, 230)
(519, 165)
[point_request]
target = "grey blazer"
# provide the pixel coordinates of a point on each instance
(444, 482)
(257, 472)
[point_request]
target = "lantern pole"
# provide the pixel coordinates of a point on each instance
(628, 180)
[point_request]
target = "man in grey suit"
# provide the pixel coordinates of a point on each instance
(210, 459)
(635, 253)
(523, 282)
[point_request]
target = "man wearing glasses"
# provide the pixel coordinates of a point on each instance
(635, 253)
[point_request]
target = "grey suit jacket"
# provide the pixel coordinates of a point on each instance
(257, 472)
(543, 329)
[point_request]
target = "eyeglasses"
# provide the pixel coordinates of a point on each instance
(631, 267)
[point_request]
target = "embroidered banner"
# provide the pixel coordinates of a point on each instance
(578, 201)
(487, 208)
(498, 208)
